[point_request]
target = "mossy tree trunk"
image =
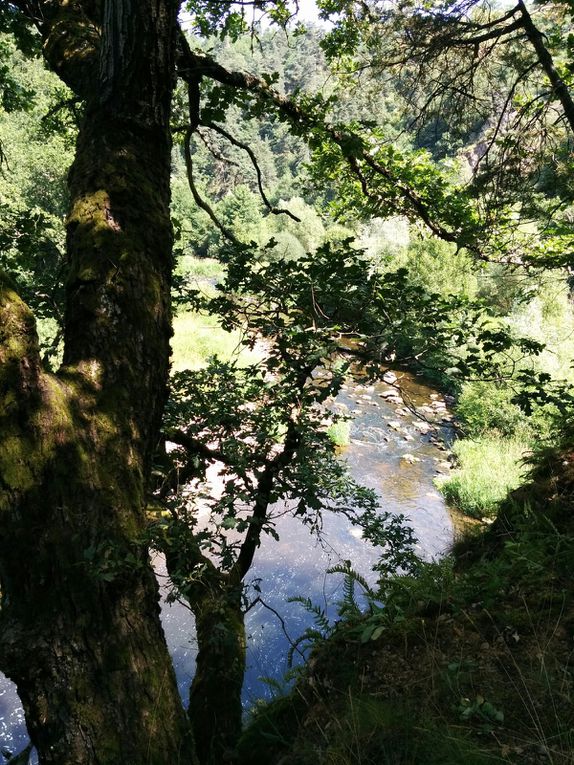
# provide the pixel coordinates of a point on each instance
(215, 708)
(79, 625)
(216, 599)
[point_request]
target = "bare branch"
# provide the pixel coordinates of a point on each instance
(249, 151)
(291, 642)
(198, 199)
(215, 153)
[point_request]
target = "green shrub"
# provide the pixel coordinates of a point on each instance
(488, 469)
(339, 432)
(484, 406)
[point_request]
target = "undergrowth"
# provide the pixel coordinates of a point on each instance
(468, 660)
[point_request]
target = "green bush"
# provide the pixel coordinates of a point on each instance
(484, 407)
(339, 432)
(489, 468)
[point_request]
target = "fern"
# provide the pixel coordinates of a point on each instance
(319, 616)
(310, 636)
(348, 606)
(323, 628)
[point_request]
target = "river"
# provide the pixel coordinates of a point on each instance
(395, 449)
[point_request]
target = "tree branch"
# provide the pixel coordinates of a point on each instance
(197, 198)
(249, 151)
(195, 446)
(446, 41)
(264, 492)
(546, 62)
(193, 64)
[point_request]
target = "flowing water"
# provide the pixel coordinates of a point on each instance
(395, 449)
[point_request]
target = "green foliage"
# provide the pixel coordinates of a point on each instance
(489, 468)
(485, 407)
(440, 267)
(211, 17)
(33, 193)
(14, 95)
(339, 432)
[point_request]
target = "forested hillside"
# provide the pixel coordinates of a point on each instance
(210, 227)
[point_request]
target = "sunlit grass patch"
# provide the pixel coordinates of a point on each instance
(197, 337)
(201, 268)
(488, 469)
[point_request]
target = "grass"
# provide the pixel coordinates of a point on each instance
(339, 432)
(369, 731)
(201, 268)
(197, 337)
(488, 468)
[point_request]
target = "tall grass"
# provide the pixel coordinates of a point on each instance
(488, 468)
(197, 337)
(201, 268)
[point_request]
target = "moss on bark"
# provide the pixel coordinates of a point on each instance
(79, 625)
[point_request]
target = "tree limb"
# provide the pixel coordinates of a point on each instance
(546, 62)
(197, 198)
(249, 151)
(193, 64)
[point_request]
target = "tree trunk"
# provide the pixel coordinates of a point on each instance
(79, 626)
(215, 706)
(215, 598)
(537, 39)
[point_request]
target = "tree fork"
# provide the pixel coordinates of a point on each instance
(79, 626)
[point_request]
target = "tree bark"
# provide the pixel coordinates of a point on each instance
(79, 625)
(215, 598)
(215, 706)
(559, 87)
